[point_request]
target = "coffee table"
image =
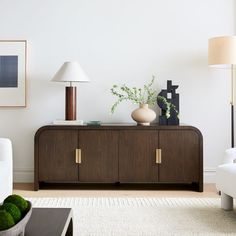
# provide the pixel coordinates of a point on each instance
(50, 222)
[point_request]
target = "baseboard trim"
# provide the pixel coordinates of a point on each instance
(23, 175)
(26, 175)
(209, 175)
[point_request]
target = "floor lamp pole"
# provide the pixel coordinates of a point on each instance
(232, 125)
(232, 105)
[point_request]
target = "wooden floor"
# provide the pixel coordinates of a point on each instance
(26, 190)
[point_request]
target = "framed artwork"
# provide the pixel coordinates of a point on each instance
(13, 73)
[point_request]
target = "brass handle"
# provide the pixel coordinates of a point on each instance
(78, 156)
(159, 150)
(158, 156)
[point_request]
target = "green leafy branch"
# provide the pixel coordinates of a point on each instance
(147, 95)
(169, 106)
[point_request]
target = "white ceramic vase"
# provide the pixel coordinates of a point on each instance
(143, 115)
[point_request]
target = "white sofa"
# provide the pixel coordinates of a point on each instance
(6, 183)
(225, 179)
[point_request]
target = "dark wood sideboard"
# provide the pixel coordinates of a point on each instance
(119, 155)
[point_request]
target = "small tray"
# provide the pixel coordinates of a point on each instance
(94, 122)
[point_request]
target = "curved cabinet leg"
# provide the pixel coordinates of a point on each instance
(226, 202)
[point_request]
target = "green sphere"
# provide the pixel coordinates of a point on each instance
(6, 220)
(13, 210)
(19, 201)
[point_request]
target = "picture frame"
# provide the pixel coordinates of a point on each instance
(13, 56)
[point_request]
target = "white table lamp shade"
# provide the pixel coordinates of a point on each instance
(222, 51)
(70, 72)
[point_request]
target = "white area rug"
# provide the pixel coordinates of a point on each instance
(145, 216)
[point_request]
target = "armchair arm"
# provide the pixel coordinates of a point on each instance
(229, 156)
(5, 149)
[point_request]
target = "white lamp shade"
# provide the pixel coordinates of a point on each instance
(70, 72)
(222, 50)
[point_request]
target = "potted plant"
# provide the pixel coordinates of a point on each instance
(167, 106)
(144, 97)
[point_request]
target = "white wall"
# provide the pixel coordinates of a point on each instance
(118, 41)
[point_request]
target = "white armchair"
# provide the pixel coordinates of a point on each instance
(6, 183)
(225, 179)
(230, 156)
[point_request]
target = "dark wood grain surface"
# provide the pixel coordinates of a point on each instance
(70, 103)
(137, 157)
(99, 152)
(119, 153)
(57, 155)
(180, 156)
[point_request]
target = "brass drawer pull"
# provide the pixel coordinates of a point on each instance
(158, 156)
(78, 156)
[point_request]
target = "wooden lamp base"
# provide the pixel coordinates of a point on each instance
(70, 112)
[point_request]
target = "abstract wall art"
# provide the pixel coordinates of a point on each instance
(13, 73)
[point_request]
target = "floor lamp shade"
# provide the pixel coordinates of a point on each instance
(222, 50)
(222, 53)
(70, 72)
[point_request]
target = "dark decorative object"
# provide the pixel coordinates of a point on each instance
(168, 101)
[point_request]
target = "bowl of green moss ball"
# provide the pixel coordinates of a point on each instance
(15, 212)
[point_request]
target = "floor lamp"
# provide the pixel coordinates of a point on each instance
(70, 72)
(222, 53)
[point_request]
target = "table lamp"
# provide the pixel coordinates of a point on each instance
(70, 72)
(222, 53)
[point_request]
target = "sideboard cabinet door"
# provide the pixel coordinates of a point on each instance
(56, 155)
(137, 156)
(180, 156)
(99, 156)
